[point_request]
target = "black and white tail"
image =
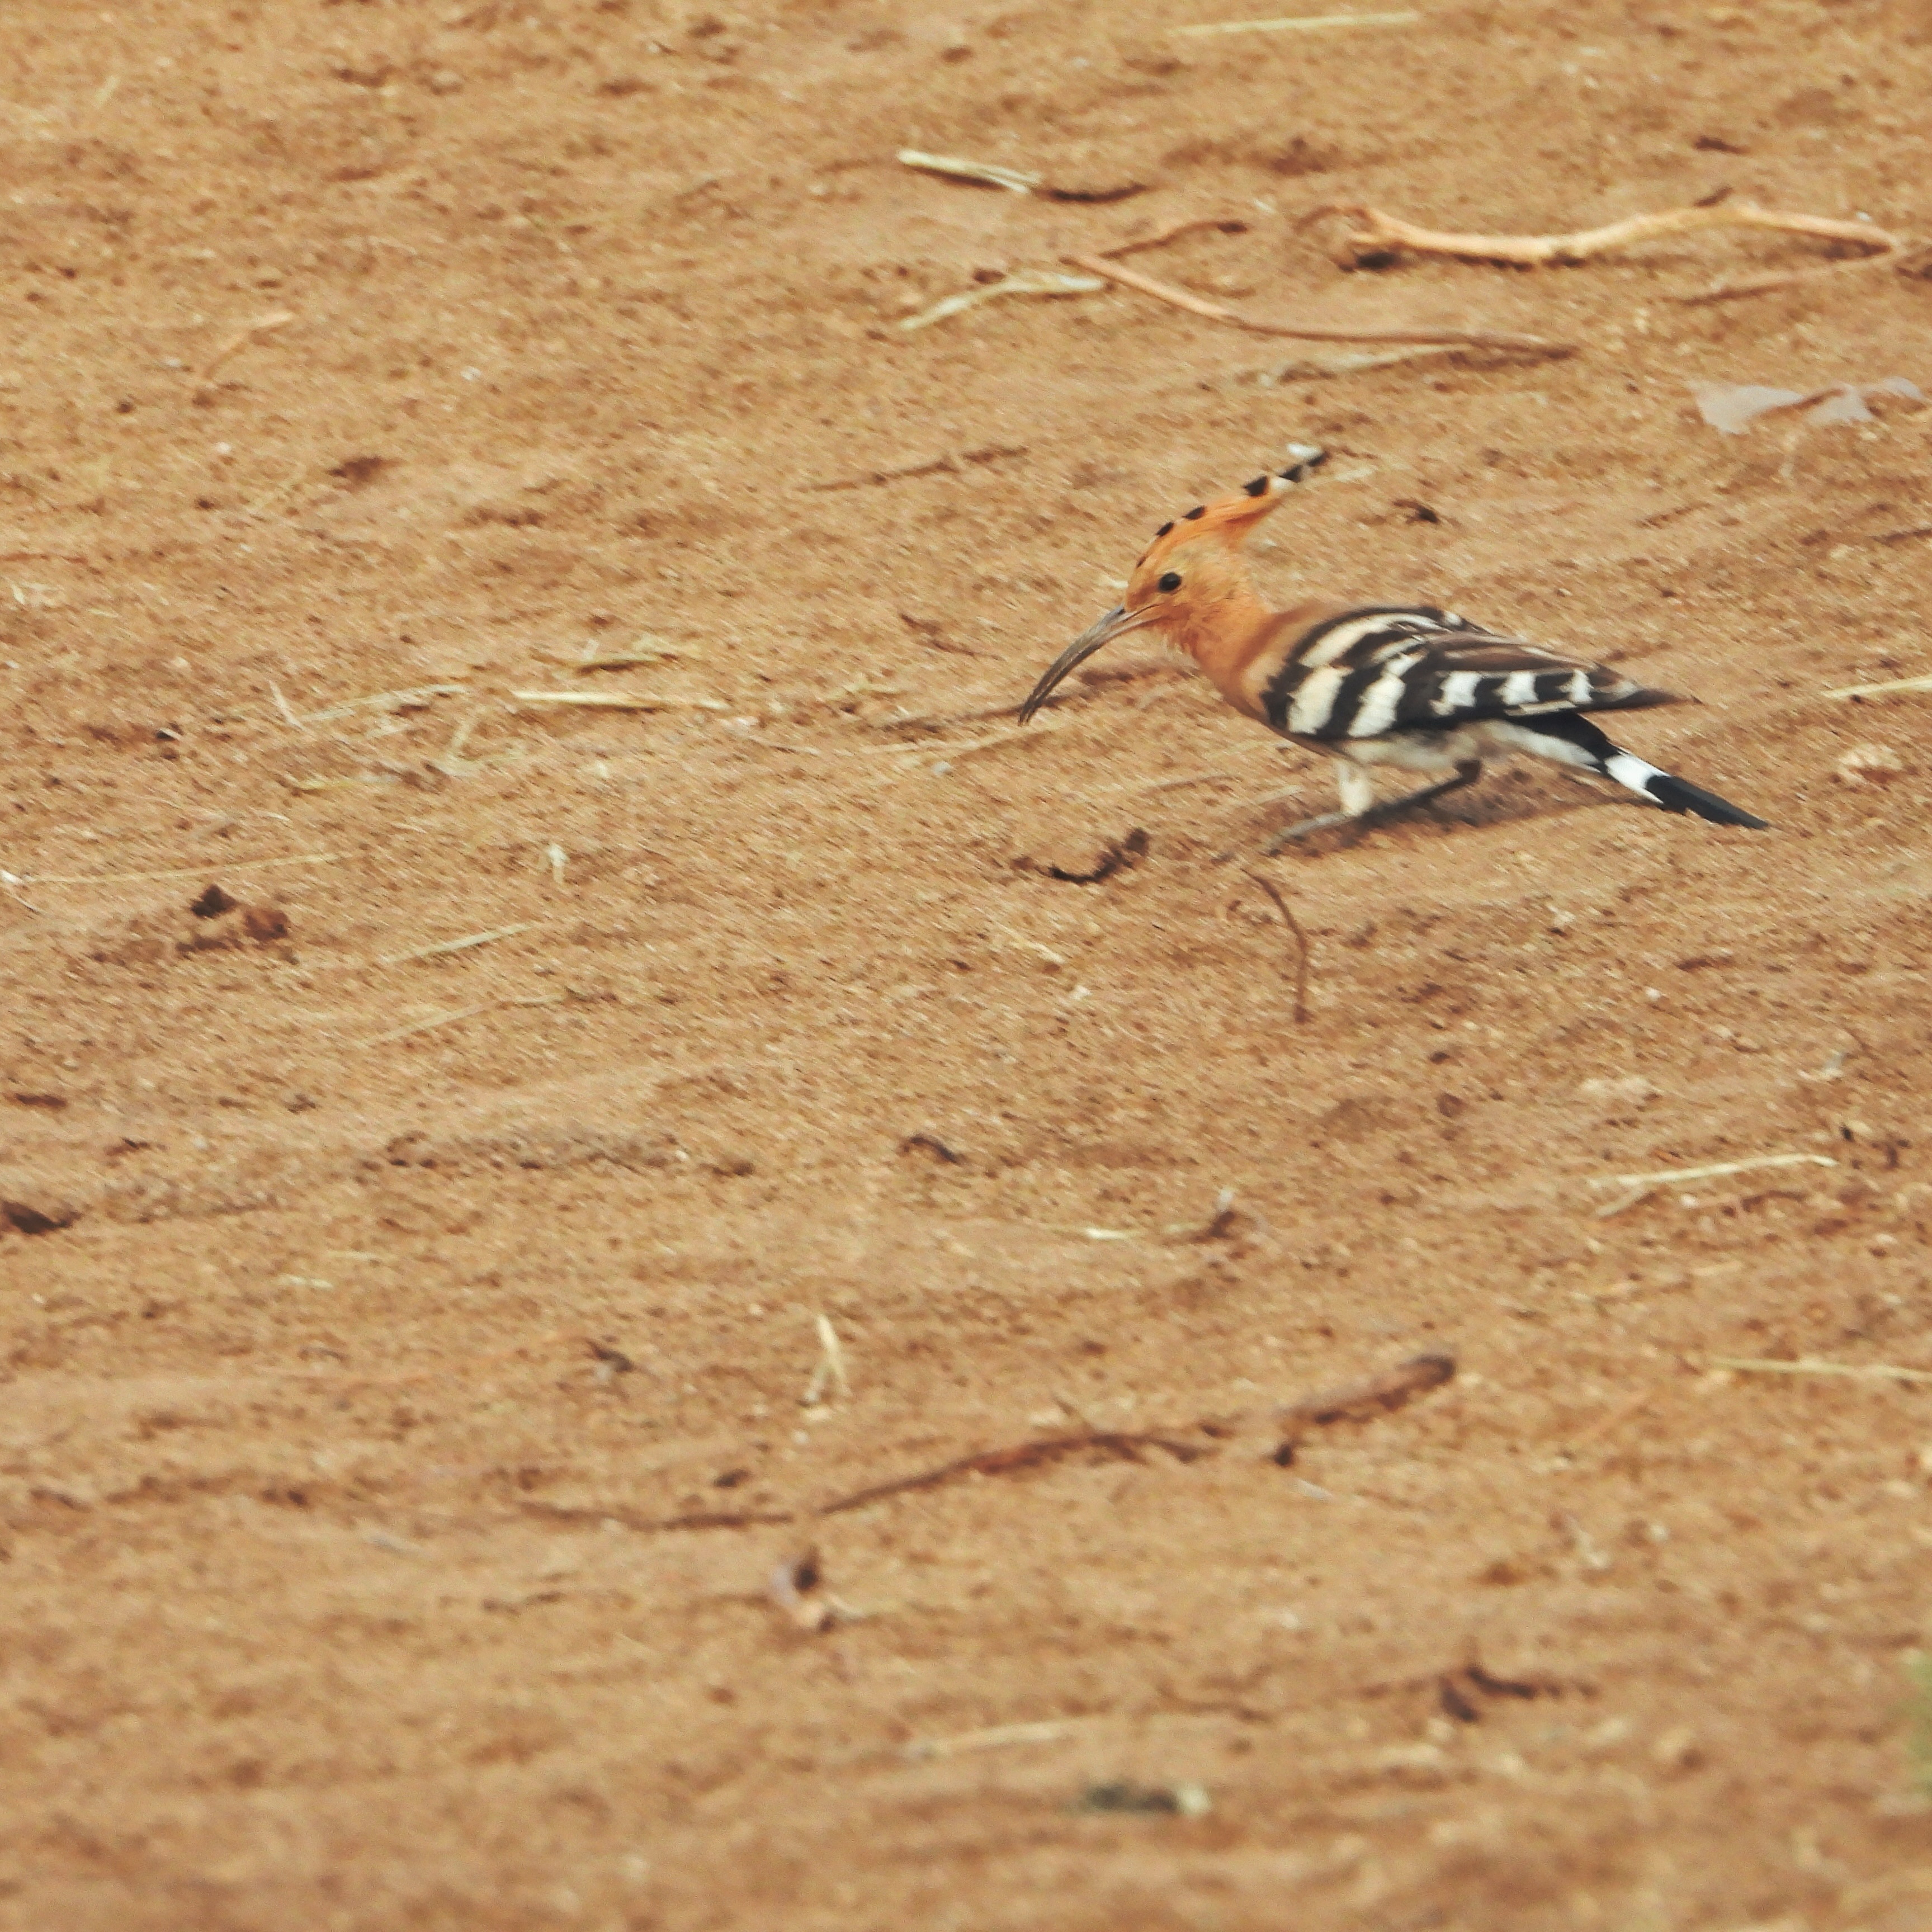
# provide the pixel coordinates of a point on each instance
(1578, 736)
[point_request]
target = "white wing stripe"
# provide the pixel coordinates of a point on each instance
(1375, 710)
(1314, 699)
(1333, 644)
(1458, 693)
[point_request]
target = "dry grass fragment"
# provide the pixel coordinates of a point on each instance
(1301, 23)
(249, 331)
(1015, 181)
(988, 174)
(1716, 1171)
(1641, 1186)
(943, 753)
(996, 1737)
(828, 1372)
(1131, 278)
(436, 1020)
(944, 464)
(1809, 1365)
(177, 872)
(1382, 235)
(618, 700)
(463, 945)
(416, 697)
(647, 650)
(1021, 282)
(1885, 690)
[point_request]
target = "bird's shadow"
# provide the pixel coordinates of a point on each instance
(1507, 798)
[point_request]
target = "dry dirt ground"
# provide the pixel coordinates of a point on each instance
(404, 1345)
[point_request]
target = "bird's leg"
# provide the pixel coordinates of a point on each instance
(1358, 807)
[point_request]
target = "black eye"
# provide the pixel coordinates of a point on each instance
(1171, 581)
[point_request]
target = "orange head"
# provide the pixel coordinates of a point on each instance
(1192, 582)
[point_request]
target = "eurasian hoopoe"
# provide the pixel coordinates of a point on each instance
(1373, 684)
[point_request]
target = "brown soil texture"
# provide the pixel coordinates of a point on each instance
(407, 1340)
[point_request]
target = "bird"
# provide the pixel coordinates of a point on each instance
(1406, 684)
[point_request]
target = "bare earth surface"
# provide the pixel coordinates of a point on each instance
(403, 1349)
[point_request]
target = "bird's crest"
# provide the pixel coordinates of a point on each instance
(1232, 518)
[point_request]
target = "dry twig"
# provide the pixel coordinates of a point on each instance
(1222, 224)
(1301, 945)
(1018, 1456)
(1130, 278)
(1385, 234)
(1363, 1401)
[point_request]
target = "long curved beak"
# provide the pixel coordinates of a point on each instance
(1116, 623)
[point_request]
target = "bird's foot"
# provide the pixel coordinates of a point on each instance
(1322, 822)
(1376, 814)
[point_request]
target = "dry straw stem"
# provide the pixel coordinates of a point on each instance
(1898, 684)
(1874, 1372)
(828, 1372)
(1383, 233)
(1289, 919)
(1301, 23)
(619, 700)
(945, 463)
(417, 698)
(940, 752)
(462, 1013)
(1641, 1185)
(249, 331)
(225, 865)
(1458, 338)
(997, 1737)
(643, 652)
(1713, 1172)
(1016, 181)
(1023, 282)
(462, 945)
(453, 764)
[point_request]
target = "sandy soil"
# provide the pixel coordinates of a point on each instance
(405, 1344)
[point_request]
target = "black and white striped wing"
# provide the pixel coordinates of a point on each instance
(1384, 669)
